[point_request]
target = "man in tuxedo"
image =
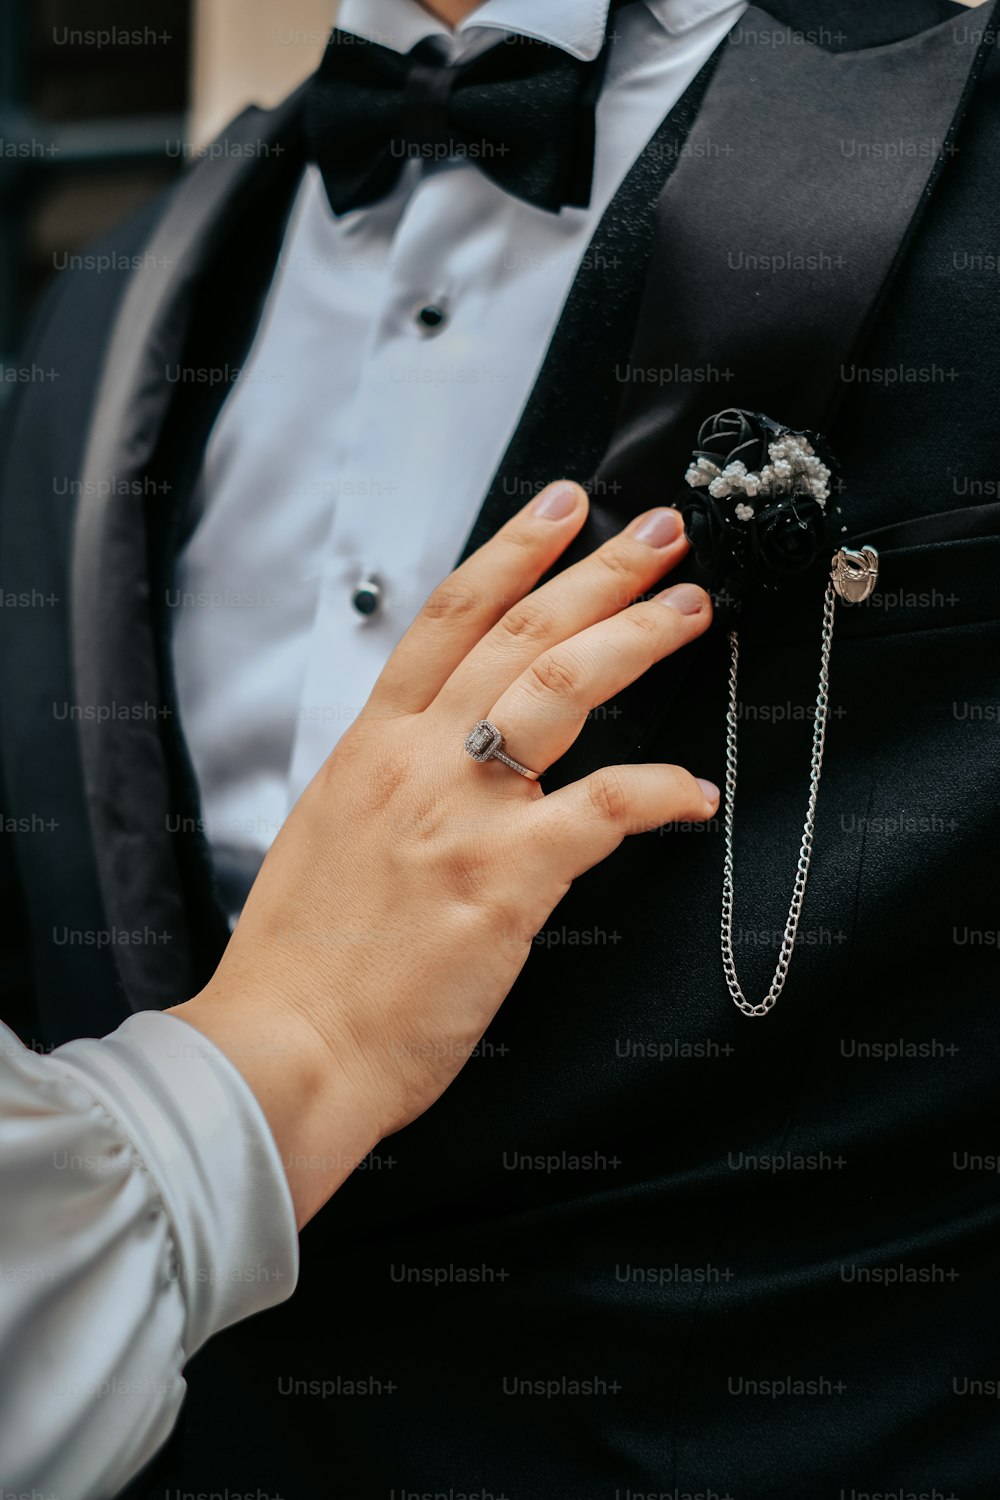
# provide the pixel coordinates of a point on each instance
(644, 1245)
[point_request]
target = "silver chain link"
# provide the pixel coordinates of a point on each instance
(805, 850)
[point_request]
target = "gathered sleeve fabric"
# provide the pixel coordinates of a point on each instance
(143, 1207)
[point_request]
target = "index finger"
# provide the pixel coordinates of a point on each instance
(477, 594)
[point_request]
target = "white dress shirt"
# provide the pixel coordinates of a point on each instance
(144, 1208)
(358, 442)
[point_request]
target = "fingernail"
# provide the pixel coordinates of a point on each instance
(661, 527)
(686, 598)
(709, 788)
(556, 501)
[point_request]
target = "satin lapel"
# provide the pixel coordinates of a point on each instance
(778, 234)
(776, 240)
(121, 706)
(682, 297)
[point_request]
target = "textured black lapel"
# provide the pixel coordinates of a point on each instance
(116, 652)
(774, 242)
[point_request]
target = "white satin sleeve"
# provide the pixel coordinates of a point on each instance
(143, 1207)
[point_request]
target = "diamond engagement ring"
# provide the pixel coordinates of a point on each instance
(485, 742)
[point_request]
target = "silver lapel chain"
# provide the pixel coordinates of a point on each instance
(852, 578)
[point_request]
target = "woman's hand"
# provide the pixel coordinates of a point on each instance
(399, 901)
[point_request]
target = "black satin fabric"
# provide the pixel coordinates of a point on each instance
(644, 1246)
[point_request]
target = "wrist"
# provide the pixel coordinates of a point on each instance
(323, 1114)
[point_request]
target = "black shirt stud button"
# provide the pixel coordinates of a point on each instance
(367, 597)
(430, 317)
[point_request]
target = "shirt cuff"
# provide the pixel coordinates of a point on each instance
(207, 1146)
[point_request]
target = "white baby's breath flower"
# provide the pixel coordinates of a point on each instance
(794, 468)
(732, 481)
(702, 472)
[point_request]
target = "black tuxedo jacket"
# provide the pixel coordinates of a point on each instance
(643, 1245)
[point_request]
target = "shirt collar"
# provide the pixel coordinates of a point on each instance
(576, 26)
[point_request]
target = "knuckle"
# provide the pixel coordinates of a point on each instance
(470, 871)
(608, 796)
(649, 624)
(615, 562)
(521, 537)
(554, 674)
(527, 621)
(510, 928)
(686, 798)
(683, 783)
(421, 823)
(450, 602)
(677, 782)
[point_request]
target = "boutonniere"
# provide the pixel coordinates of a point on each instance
(762, 503)
(762, 509)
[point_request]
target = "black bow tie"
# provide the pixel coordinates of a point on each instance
(522, 112)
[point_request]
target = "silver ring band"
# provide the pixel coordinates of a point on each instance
(485, 742)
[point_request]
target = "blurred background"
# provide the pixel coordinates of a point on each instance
(101, 103)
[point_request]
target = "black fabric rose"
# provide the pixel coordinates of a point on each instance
(734, 436)
(758, 500)
(789, 536)
(705, 528)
